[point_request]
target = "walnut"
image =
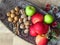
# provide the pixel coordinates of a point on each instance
(17, 13)
(12, 11)
(20, 20)
(10, 19)
(22, 26)
(16, 18)
(26, 31)
(27, 23)
(12, 15)
(17, 9)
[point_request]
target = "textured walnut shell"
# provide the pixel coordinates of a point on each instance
(23, 16)
(12, 11)
(25, 19)
(16, 18)
(20, 20)
(22, 26)
(24, 34)
(26, 26)
(27, 23)
(22, 11)
(29, 18)
(26, 31)
(16, 8)
(12, 15)
(17, 13)
(10, 19)
(14, 21)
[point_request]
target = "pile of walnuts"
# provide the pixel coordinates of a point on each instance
(18, 15)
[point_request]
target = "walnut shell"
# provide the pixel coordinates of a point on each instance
(26, 31)
(23, 16)
(20, 20)
(29, 18)
(17, 13)
(27, 23)
(22, 11)
(16, 18)
(26, 26)
(14, 21)
(22, 26)
(25, 19)
(12, 15)
(10, 19)
(17, 9)
(12, 11)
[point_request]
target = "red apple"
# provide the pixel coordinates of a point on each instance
(32, 31)
(39, 28)
(37, 18)
(46, 28)
(41, 40)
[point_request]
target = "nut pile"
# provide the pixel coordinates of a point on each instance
(24, 21)
(13, 15)
(18, 15)
(15, 29)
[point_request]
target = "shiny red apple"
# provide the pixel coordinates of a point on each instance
(46, 28)
(41, 40)
(32, 31)
(37, 18)
(39, 28)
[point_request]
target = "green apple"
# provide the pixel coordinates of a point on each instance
(30, 10)
(48, 18)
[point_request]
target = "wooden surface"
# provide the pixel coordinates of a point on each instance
(8, 38)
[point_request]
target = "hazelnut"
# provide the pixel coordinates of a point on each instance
(27, 23)
(16, 8)
(22, 11)
(26, 26)
(17, 13)
(16, 18)
(12, 15)
(29, 17)
(23, 16)
(20, 20)
(25, 19)
(12, 11)
(22, 26)
(8, 13)
(14, 21)
(26, 31)
(10, 19)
